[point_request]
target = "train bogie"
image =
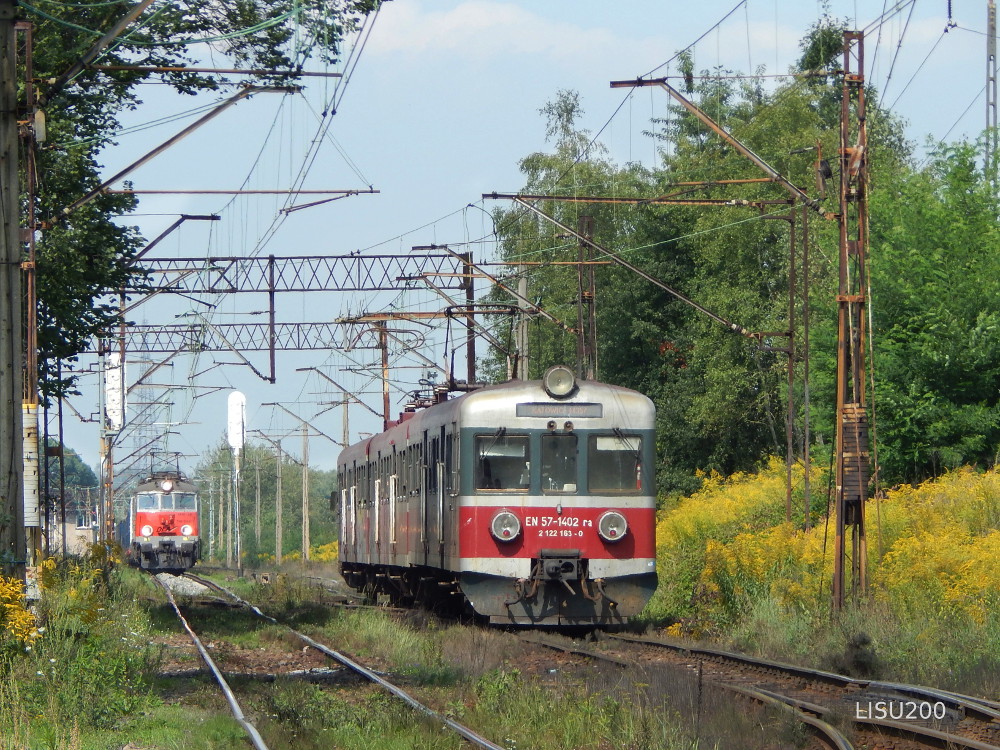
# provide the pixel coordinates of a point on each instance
(529, 503)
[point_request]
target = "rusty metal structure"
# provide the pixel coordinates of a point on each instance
(852, 473)
(156, 347)
(852, 460)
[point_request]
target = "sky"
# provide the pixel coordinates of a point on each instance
(441, 105)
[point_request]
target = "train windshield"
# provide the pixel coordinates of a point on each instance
(558, 463)
(185, 501)
(502, 462)
(167, 501)
(178, 501)
(614, 463)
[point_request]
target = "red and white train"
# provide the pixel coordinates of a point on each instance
(164, 526)
(530, 502)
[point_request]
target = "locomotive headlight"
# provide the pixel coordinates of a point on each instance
(612, 526)
(166, 485)
(505, 526)
(186, 530)
(146, 530)
(559, 381)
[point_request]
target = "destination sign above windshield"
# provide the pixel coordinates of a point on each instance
(576, 411)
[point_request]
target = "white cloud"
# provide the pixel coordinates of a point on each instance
(499, 31)
(484, 29)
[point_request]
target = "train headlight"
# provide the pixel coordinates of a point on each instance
(146, 530)
(559, 381)
(612, 526)
(505, 526)
(166, 485)
(186, 530)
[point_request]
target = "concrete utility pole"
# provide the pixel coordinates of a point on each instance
(306, 426)
(256, 517)
(991, 91)
(305, 492)
(211, 519)
(12, 535)
(278, 528)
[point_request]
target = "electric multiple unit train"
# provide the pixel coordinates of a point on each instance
(529, 502)
(164, 526)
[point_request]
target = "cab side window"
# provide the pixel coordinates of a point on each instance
(502, 462)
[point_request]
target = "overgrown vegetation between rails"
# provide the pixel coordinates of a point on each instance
(87, 678)
(732, 569)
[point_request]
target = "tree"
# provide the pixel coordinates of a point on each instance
(77, 473)
(936, 280)
(85, 255)
(721, 397)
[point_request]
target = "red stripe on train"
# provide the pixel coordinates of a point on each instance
(544, 528)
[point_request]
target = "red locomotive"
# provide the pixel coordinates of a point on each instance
(531, 502)
(164, 512)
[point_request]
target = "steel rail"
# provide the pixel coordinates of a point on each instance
(986, 710)
(973, 699)
(801, 710)
(965, 705)
(251, 730)
(463, 731)
(826, 733)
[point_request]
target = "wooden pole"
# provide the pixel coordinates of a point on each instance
(12, 535)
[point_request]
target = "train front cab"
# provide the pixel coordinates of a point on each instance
(165, 530)
(557, 513)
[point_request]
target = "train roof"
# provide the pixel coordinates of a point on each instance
(153, 482)
(494, 402)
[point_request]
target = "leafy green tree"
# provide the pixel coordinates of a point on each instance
(85, 255)
(936, 283)
(77, 473)
(721, 397)
(323, 521)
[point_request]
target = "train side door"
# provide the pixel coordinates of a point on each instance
(452, 495)
(422, 483)
(433, 504)
(439, 467)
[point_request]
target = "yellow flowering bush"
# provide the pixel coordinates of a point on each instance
(933, 552)
(325, 552)
(16, 620)
(319, 553)
(696, 566)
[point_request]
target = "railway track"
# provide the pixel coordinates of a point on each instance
(884, 714)
(465, 732)
(248, 727)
